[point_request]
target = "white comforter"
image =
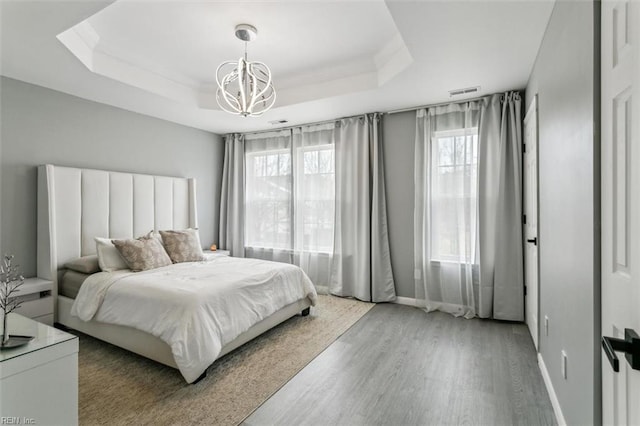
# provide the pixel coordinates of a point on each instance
(196, 307)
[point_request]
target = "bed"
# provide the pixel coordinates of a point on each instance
(77, 205)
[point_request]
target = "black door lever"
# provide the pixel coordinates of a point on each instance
(534, 241)
(630, 345)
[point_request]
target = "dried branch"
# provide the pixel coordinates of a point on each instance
(10, 283)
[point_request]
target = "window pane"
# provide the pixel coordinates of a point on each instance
(453, 197)
(272, 165)
(461, 149)
(285, 164)
(315, 202)
(311, 162)
(259, 164)
(445, 152)
(326, 161)
(268, 200)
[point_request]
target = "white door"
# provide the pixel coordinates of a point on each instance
(620, 197)
(531, 218)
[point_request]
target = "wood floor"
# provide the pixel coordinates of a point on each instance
(401, 366)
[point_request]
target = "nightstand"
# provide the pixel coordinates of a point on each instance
(209, 253)
(37, 302)
(39, 380)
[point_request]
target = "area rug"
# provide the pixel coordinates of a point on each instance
(117, 387)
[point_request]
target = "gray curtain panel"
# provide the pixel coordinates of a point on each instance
(361, 266)
(500, 210)
(232, 196)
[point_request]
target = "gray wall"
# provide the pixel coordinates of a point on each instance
(565, 77)
(44, 126)
(398, 135)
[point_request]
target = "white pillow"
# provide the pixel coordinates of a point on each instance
(109, 257)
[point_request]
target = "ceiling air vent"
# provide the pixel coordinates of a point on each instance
(457, 92)
(276, 122)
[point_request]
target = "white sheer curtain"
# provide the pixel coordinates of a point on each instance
(446, 214)
(361, 266)
(314, 207)
(468, 240)
(268, 196)
(289, 198)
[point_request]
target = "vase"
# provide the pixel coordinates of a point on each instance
(5, 329)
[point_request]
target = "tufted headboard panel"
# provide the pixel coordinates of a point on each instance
(76, 205)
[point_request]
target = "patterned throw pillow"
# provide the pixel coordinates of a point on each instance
(143, 253)
(183, 246)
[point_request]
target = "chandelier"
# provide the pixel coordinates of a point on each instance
(245, 88)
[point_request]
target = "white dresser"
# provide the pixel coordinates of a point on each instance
(39, 381)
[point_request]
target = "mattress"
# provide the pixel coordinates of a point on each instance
(71, 283)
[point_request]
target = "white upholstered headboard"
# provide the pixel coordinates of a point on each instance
(76, 205)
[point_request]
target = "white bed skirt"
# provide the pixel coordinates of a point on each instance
(152, 347)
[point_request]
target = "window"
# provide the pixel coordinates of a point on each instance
(289, 201)
(315, 201)
(268, 199)
(454, 179)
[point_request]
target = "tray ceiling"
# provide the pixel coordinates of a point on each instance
(172, 49)
(328, 58)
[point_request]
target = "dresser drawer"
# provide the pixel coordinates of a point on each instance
(39, 381)
(36, 308)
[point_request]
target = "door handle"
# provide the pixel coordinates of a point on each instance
(533, 240)
(630, 345)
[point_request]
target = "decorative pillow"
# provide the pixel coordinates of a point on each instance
(84, 264)
(153, 234)
(143, 253)
(109, 258)
(183, 246)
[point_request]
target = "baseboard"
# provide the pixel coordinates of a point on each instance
(409, 301)
(552, 393)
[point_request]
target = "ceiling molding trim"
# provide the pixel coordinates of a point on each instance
(328, 89)
(84, 43)
(392, 59)
(81, 41)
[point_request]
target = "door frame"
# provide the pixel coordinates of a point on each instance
(533, 109)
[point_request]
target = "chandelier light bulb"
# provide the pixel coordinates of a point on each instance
(245, 88)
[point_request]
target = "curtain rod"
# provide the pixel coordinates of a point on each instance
(275, 129)
(395, 111)
(461, 101)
